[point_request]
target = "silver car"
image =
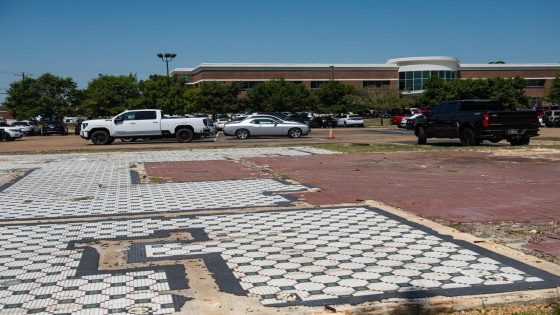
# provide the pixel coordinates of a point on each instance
(265, 126)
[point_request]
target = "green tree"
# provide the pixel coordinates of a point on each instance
(217, 97)
(158, 92)
(191, 98)
(436, 90)
(333, 97)
(279, 96)
(109, 95)
(509, 91)
(552, 94)
(49, 96)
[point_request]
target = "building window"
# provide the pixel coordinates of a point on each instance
(376, 85)
(414, 80)
(247, 85)
(535, 102)
(316, 84)
(535, 83)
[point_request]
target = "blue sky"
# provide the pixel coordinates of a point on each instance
(80, 39)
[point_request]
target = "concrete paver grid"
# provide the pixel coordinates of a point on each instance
(100, 184)
(304, 257)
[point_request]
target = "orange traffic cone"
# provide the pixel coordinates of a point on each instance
(331, 135)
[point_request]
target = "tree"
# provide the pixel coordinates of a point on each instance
(217, 97)
(436, 90)
(508, 91)
(158, 92)
(109, 95)
(332, 97)
(48, 96)
(279, 96)
(552, 94)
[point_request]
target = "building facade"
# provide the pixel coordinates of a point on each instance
(407, 75)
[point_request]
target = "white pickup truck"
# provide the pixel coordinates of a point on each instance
(144, 123)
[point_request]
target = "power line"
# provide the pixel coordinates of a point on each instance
(23, 74)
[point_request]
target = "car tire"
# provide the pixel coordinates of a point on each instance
(184, 135)
(467, 137)
(478, 141)
(100, 137)
(242, 134)
(421, 134)
(129, 139)
(294, 133)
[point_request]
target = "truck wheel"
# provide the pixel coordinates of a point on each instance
(294, 133)
(467, 137)
(522, 141)
(184, 135)
(478, 141)
(242, 134)
(421, 134)
(100, 137)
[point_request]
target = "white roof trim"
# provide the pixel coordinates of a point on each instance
(510, 66)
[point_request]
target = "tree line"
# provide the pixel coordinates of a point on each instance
(107, 95)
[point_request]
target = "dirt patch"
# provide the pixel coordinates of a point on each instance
(193, 171)
(537, 239)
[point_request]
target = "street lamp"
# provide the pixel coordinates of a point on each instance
(167, 57)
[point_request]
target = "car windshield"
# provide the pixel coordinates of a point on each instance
(20, 123)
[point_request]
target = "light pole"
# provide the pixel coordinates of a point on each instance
(167, 57)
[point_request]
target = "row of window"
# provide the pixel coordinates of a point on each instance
(414, 80)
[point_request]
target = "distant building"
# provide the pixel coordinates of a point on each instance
(6, 115)
(407, 75)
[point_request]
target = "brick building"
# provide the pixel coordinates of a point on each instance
(407, 75)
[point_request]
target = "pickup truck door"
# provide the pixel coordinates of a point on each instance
(441, 123)
(145, 123)
(448, 120)
(123, 124)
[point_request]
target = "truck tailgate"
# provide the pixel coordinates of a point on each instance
(513, 119)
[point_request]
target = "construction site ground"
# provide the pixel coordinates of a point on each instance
(276, 225)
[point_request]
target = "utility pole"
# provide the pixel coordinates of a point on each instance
(23, 74)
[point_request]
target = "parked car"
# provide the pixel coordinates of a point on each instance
(473, 121)
(350, 120)
(27, 127)
(551, 118)
(410, 122)
(54, 128)
(300, 117)
(265, 125)
(10, 133)
(323, 121)
(220, 122)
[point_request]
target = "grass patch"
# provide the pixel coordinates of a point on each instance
(373, 147)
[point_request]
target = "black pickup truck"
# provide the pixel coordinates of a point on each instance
(473, 121)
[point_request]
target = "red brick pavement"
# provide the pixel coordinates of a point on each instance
(452, 186)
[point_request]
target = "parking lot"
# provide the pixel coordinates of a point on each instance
(239, 226)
